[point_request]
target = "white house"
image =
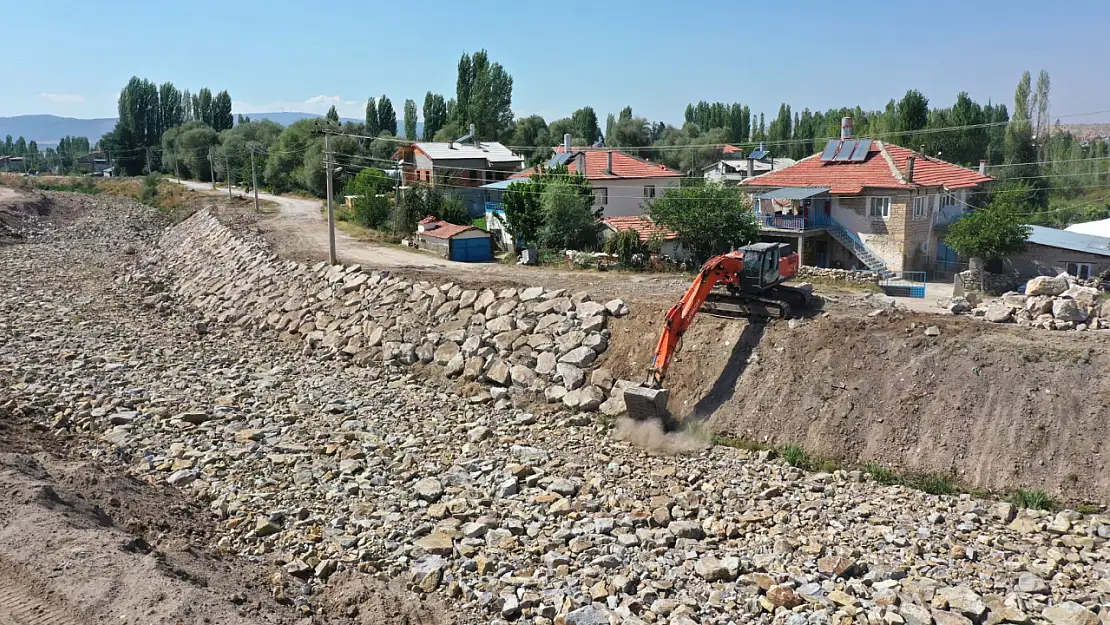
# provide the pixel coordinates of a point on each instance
(621, 182)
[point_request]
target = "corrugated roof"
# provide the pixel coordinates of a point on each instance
(1062, 239)
(643, 225)
(624, 166)
(793, 193)
(883, 168)
(1100, 228)
(492, 151)
(501, 185)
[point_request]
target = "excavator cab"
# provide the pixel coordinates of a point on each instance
(761, 266)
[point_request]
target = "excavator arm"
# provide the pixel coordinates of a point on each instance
(724, 269)
(649, 402)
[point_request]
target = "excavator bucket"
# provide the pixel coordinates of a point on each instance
(647, 404)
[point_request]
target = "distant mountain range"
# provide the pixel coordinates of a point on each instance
(46, 130)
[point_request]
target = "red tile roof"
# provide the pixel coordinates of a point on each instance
(732, 149)
(643, 225)
(883, 168)
(442, 230)
(624, 166)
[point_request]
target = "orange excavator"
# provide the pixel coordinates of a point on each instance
(752, 278)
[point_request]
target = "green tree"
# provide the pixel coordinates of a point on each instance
(193, 143)
(138, 128)
(20, 148)
(373, 127)
(970, 144)
(222, 118)
(204, 107)
(1040, 105)
(484, 96)
(627, 131)
(780, 129)
(709, 218)
(585, 130)
(625, 245)
(435, 114)
(186, 108)
(332, 115)
(284, 162)
(410, 120)
(371, 188)
(1020, 149)
(913, 114)
(171, 107)
(993, 232)
(236, 145)
(387, 117)
(569, 221)
(524, 208)
(532, 131)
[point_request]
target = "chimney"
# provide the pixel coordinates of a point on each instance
(580, 163)
(609, 161)
(846, 128)
(762, 146)
(474, 136)
(983, 167)
(751, 167)
(909, 168)
(566, 143)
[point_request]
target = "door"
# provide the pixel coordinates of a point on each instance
(471, 250)
(821, 253)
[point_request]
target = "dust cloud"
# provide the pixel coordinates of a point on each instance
(651, 436)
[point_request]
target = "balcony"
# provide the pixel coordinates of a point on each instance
(793, 223)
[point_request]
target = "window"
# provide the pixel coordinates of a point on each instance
(601, 196)
(649, 191)
(919, 206)
(880, 207)
(1080, 270)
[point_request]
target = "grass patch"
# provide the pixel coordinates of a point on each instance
(740, 443)
(1032, 499)
(932, 483)
(795, 456)
(362, 233)
(881, 474)
(480, 222)
(72, 188)
(1088, 508)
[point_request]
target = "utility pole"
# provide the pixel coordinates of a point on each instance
(148, 163)
(227, 166)
(254, 181)
(331, 211)
(212, 167)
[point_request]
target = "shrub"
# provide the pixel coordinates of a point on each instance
(881, 474)
(795, 456)
(1033, 499)
(149, 192)
(625, 245)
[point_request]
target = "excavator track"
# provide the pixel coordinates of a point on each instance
(745, 306)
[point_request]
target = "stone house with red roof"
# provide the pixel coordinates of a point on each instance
(862, 203)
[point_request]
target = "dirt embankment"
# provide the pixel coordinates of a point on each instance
(1001, 408)
(19, 211)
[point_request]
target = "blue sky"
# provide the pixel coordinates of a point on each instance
(655, 56)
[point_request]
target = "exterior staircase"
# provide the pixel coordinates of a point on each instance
(852, 241)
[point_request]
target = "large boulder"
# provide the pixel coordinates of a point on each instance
(1064, 309)
(1085, 296)
(998, 312)
(958, 305)
(1047, 285)
(1014, 299)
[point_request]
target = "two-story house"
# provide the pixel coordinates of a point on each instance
(461, 166)
(863, 203)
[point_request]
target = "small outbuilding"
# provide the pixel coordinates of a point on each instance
(466, 244)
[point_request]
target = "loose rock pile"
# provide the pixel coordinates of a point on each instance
(1051, 303)
(535, 340)
(321, 464)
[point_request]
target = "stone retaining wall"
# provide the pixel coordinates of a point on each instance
(516, 340)
(992, 283)
(839, 275)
